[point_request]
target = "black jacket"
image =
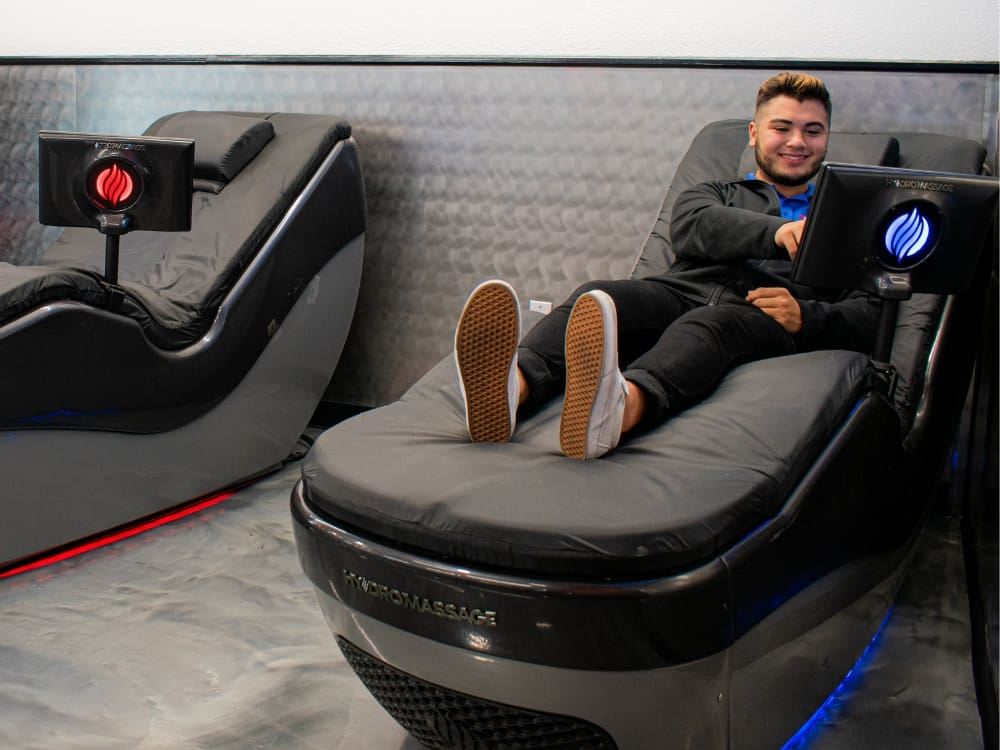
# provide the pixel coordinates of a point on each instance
(722, 233)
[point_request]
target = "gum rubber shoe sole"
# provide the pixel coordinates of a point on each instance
(585, 345)
(485, 345)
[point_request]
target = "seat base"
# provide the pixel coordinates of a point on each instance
(68, 485)
(695, 485)
(757, 693)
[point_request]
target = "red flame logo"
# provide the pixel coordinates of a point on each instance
(114, 186)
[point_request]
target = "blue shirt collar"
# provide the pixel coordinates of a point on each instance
(793, 207)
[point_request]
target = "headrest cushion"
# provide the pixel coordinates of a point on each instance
(224, 142)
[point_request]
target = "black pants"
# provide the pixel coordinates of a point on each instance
(673, 348)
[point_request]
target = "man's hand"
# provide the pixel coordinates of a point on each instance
(789, 235)
(779, 303)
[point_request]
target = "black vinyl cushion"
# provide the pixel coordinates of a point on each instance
(224, 142)
(942, 153)
(24, 288)
(406, 473)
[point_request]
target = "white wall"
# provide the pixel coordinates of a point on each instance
(850, 30)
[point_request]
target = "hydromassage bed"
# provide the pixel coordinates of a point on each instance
(199, 364)
(706, 585)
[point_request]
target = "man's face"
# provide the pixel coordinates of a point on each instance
(789, 139)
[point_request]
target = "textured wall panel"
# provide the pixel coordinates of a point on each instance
(31, 99)
(545, 176)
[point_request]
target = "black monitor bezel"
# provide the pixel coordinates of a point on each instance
(166, 166)
(852, 205)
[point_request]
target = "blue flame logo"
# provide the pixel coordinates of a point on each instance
(908, 237)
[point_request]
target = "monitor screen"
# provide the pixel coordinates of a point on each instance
(865, 222)
(142, 181)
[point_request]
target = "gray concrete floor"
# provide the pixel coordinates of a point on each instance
(205, 635)
(915, 689)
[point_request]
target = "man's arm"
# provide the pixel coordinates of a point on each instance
(849, 323)
(719, 222)
(779, 303)
(789, 236)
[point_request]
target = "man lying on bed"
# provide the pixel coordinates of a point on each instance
(726, 300)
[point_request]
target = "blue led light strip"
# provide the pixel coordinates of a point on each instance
(808, 731)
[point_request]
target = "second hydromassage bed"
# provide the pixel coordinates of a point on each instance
(201, 363)
(706, 585)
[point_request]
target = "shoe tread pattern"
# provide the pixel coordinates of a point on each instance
(485, 344)
(584, 358)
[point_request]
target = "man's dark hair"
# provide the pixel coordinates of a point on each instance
(799, 86)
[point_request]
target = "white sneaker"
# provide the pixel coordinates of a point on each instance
(594, 404)
(486, 353)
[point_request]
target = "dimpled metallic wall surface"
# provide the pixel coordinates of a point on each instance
(31, 98)
(544, 175)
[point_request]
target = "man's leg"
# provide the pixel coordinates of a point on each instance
(693, 354)
(495, 380)
(644, 308)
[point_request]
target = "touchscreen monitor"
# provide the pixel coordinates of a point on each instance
(868, 221)
(144, 183)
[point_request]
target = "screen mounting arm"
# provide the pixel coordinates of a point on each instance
(892, 287)
(112, 226)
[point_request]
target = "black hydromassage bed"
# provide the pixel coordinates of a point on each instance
(706, 585)
(202, 365)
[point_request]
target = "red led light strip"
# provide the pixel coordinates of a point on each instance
(131, 531)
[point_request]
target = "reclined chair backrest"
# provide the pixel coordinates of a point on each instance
(278, 196)
(721, 149)
(174, 282)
